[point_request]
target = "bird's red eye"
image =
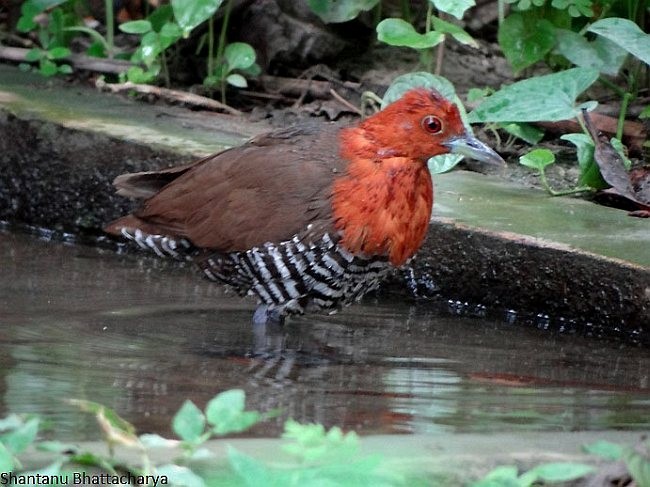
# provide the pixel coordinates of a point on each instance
(432, 124)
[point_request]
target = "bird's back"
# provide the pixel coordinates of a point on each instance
(257, 217)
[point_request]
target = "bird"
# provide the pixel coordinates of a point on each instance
(307, 218)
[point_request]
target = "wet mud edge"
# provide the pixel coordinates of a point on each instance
(60, 178)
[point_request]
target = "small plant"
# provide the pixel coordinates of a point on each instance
(399, 32)
(314, 456)
(51, 34)
(237, 56)
(158, 32)
(548, 473)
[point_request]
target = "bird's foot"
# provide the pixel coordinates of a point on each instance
(264, 315)
(268, 332)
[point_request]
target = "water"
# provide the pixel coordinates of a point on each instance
(141, 337)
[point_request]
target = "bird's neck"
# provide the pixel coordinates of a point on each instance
(382, 204)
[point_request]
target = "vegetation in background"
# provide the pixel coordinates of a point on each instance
(581, 41)
(313, 456)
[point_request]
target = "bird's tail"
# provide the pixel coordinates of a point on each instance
(145, 235)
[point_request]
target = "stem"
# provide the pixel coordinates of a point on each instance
(561, 192)
(440, 54)
(406, 10)
(211, 46)
(621, 115)
(222, 34)
(615, 88)
(428, 58)
(165, 68)
(501, 5)
(377, 14)
(110, 27)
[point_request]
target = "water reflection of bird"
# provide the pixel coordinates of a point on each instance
(309, 217)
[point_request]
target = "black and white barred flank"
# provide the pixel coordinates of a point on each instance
(162, 245)
(291, 276)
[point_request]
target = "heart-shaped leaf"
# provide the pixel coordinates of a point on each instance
(398, 32)
(550, 97)
(191, 13)
(334, 11)
(626, 34)
(524, 41)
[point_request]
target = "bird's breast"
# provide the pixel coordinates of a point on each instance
(383, 208)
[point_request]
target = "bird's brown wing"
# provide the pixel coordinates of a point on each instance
(267, 190)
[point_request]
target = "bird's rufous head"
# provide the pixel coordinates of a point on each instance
(422, 124)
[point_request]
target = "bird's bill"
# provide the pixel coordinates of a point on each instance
(470, 146)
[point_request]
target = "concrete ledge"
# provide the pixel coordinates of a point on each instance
(59, 154)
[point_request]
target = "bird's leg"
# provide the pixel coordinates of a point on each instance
(268, 332)
(265, 315)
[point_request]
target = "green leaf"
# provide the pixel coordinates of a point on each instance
(180, 476)
(239, 55)
(108, 414)
(65, 69)
(457, 8)
(455, 31)
(32, 8)
(6, 459)
(237, 80)
(645, 113)
(626, 34)
(504, 476)
(96, 49)
(211, 81)
(136, 74)
(251, 470)
(312, 443)
(605, 449)
(551, 97)
(20, 438)
(136, 27)
(589, 170)
(189, 422)
(252, 71)
(156, 441)
(561, 471)
(160, 16)
(478, 94)
(397, 32)
(601, 54)
(443, 162)
(34, 54)
(225, 412)
(524, 131)
(58, 52)
(525, 40)
(422, 79)
(537, 159)
(190, 13)
(150, 48)
(334, 11)
(576, 8)
(169, 34)
(639, 467)
(417, 79)
(48, 68)
(225, 404)
(25, 67)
